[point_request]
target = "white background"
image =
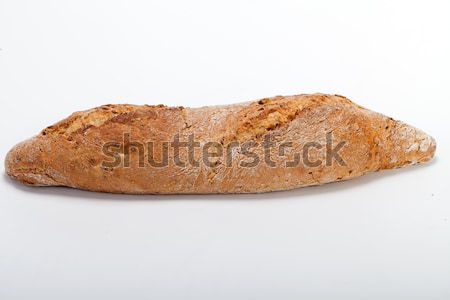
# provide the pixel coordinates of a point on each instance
(383, 236)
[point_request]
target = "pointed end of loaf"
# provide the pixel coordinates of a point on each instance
(25, 162)
(407, 145)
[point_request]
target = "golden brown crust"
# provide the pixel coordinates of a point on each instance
(69, 153)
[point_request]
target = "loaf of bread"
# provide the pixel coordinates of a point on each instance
(271, 144)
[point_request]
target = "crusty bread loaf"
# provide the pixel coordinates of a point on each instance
(270, 144)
